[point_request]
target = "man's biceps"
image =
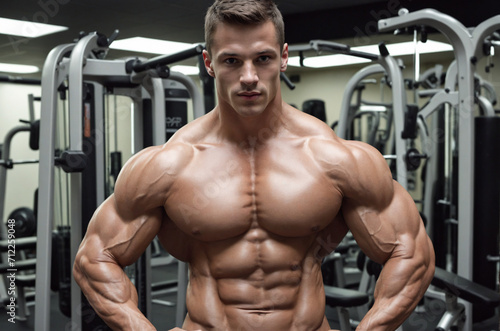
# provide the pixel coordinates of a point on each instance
(109, 217)
(374, 250)
(377, 242)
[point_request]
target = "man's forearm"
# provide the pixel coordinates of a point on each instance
(399, 288)
(111, 293)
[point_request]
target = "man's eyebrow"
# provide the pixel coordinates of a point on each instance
(227, 54)
(267, 51)
(231, 54)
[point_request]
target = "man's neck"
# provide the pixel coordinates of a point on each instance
(250, 130)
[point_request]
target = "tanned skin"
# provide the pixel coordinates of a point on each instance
(252, 196)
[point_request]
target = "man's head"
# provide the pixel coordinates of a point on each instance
(245, 54)
(244, 12)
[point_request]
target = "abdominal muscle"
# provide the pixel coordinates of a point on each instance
(257, 281)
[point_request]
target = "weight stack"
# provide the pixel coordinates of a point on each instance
(486, 207)
(315, 108)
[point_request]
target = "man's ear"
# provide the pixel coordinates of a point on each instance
(208, 63)
(284, 58)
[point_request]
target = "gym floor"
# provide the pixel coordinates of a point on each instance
(163, 317)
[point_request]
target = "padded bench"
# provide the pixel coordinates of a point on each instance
(455, 287)
(343, 298)
(464, 288)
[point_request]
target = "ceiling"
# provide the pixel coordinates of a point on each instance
(182, 20)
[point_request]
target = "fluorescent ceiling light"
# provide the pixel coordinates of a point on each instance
(399, 49)
(27, 29)
(373, 108)
(186, 70)
(18, 68)
(408, 48)
(148, 45)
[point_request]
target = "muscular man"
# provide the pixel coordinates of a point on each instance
(252, 196)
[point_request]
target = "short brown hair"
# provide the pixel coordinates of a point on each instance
(243, 12)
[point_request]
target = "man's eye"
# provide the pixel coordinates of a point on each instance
(230, 61)
(264, 58)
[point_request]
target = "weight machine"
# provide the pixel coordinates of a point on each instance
(469, 47)
(84, 159)
(24, 217)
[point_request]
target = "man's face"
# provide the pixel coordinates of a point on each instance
(246, 62)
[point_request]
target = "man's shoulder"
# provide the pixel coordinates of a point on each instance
(155, 167)
(166, 158)
(329, 148)
(146, 178)
(355, 166)
(179, 150)
(339, 151)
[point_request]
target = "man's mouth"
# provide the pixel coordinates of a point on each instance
(249, 95)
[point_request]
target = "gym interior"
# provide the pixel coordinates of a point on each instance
(418, 80)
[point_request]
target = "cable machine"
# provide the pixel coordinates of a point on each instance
(84, 159)
(468, 46)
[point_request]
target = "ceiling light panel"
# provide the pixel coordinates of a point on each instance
(27, 29)
(398, 49)
(18, 68)
(149, 45)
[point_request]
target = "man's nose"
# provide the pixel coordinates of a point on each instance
(249, 74)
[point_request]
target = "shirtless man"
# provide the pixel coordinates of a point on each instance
(252, 196)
